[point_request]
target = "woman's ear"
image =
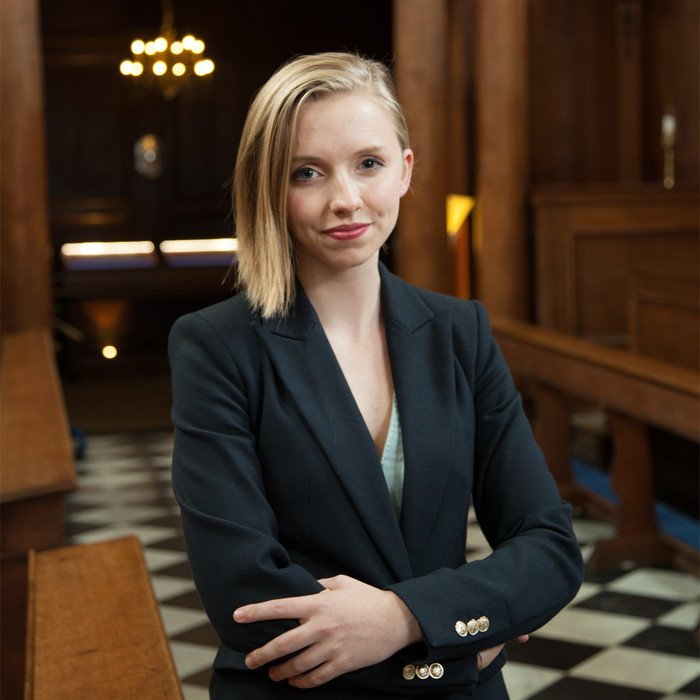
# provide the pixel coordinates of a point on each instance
(407, 170)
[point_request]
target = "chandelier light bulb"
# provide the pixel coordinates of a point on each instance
(204, 67)
(167, 63)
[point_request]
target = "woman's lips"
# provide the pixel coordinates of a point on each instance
(346, 232)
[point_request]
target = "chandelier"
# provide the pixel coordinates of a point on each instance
(166, 62)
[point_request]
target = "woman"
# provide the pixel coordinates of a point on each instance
(332, 424)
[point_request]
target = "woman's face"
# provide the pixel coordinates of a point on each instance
(347, 176)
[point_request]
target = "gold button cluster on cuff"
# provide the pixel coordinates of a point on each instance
(422, 671)
(472, 627)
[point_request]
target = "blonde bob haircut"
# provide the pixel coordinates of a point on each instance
(265, 248)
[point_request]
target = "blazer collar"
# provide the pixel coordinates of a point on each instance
(305, 362)
(422, 366)
(400, 301)
(306, 365)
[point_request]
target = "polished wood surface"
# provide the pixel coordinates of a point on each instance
(635, 393)
(36, 470)
(25, 263)
(501, 103)
(94, 628)
(591, 241)
(647, 389)
(420, 250)
(35, 447)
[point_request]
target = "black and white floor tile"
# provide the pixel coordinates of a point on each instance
(627, 636)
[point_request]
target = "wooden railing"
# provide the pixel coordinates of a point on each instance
(635, 392)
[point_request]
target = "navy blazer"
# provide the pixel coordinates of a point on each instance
(280, 484)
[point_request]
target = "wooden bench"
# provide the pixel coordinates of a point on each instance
(93, 626)
(36, 471)
(635, 392)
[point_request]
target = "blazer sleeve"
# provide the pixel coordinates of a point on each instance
(535, 568)
(229, 527)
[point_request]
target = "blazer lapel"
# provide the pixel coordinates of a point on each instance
(423, 371)
(305, 362)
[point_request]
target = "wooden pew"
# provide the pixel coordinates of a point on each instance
(93, 626)
(636, 392)
(36, 471)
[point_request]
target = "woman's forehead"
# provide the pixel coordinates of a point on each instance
(346, 116)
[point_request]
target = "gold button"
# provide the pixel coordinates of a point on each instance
(422, 671)
(409, 672)
(472, 627)
(461, 628)
(436, 670)
(483, 623)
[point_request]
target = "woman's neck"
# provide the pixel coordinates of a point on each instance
(346, 302)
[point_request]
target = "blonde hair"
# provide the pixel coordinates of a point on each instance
(261, 176)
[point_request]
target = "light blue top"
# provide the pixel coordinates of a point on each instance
(392, 458)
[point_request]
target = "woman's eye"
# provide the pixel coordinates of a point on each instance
(304, 174)
(371, 163)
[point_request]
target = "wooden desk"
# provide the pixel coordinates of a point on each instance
(93, 626)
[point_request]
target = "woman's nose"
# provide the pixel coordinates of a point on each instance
(345, 195)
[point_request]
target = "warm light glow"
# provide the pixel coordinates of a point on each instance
(458, 208)
(167, 63)
(200, 245)
(109, 351)
(204, 67)
(102, 248)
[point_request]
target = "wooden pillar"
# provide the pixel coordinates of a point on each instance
(421, 69)
(24, 230)
(628, 50)
(500, 236)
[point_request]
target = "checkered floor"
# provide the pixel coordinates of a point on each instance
(628, 636)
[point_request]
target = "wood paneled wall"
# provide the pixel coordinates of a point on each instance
(602, 73)
(95, 115)
(555, 92)
(500, 100)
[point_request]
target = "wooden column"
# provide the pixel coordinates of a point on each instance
(24, 231)
(421, 70)
(628, 53)
(500, 243)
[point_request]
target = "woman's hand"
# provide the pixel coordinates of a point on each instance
(348, 626)
(485, 657)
